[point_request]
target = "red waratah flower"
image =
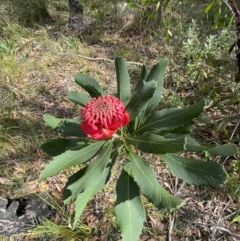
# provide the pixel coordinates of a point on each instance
(103, 116)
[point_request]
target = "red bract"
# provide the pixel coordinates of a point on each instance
(103, 116)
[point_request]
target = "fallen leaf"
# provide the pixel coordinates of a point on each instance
(5, 181)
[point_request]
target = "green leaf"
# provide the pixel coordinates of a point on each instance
(142, 78)
(139, 99)
(157, 6)
(224, 150)
(57, 146)
(93, 172)
(89, 84)
(123, 80)
(4, 47)
(157, 74)
(194, 171)
(145, 2)
(132, 5)
(67, 195)
(80, 203)
(152, 143)
(236, 219)
(78, 97)
(70, 158)
(69, 127)
(185, 129)
(220, 150)
(146, 179)
(144, 73)
(172, 118)
(129, 209)
(93, 180)
(168, 36)
(166, 2)
(208, 7)
(193, 145)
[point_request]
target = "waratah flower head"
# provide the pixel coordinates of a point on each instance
(103, 116)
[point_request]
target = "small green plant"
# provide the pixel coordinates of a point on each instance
(234, 181)
(145, 5)
(150, 9)
(204, 55)
(121, 127)
(219, 12)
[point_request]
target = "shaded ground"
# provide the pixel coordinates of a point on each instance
(37, 72)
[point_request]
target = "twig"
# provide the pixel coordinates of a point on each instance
(234, 130)
(32, 83)
(175, 186)
(216, 227)
(179, 189)
(218, 221)
(219, 228)
(20, 92)
(171, 222)
(108, 60)
(227, 117)
(227, 231)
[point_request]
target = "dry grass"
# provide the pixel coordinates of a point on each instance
(37, 69)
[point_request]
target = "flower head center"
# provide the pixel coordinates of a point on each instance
(103, 111)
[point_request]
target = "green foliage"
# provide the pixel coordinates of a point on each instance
(157, 74)
(128, 207)
(234, 181)
(64, 126)
(168, 119)
(200, 53)
(144, 176)
(180, 78)
(123, 91)
(161, 132)
(89, 84)
(90, 182)
(218, 10)
(150, 9)
(196, 172)
(78, 97)
(4, 47)
(157, 144)
(236, 219)
(206, 63)
(71, 158)
(137, 103)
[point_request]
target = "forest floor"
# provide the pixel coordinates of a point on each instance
(37, 70)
